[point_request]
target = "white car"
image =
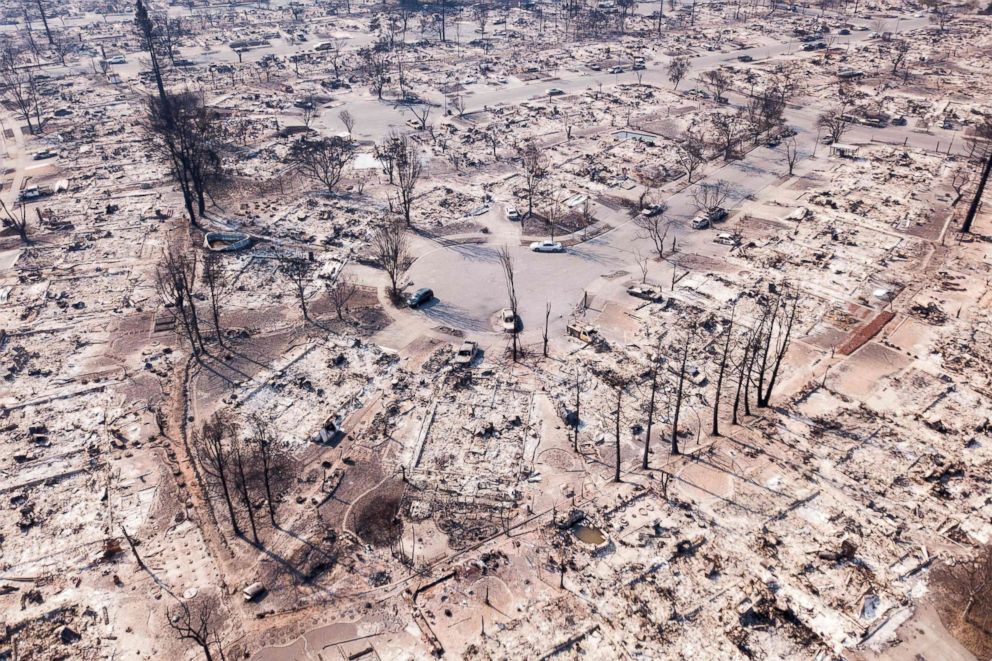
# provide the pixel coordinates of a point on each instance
(507, 320)
(700, 222)
(555, 91)
(512, 213)
(547, 246)
(117, 59)
(615, 70)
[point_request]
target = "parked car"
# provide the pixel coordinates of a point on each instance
(845, 32)
(615, 70)
(646, 292)
(32, 193)
(700, 222)
(726, 239)
(583, 333)
(466, 353)
(253, 591)
(329, 431)
(639, 66)
(745, 58)
(46, 153)
(716, 215)
(547, 246)
(117, 59)
(773, 142)
(419, 297)
(512, 213)
(555, 91)
(653, 210)
(507, 320)
(594, 66)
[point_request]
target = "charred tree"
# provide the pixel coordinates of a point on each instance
(719, 379)
(212, 447)
(679, 395)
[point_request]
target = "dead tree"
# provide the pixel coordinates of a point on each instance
(677, 69)
(506, 261)
(175, 281)
(21, 85)
(578, 402)
(743, 374)
(422, 113)
(691, 152)
(348, 120)
(651, 407)
(336, 54)
(547, 319)
(535, 168)
(679, 395)
(298, 271)
(375, 65)
(776, 344)
(709, 196)
(717, 81)
(728, 128)
(897, 51)
(273, 463)
(618, 382)
(244, 480)
(133, 544)
(18, 222)
(44, 20)
(791, 153)
(340, 293)
(720, 373)
(409, 168)
(150, 34)
(308, 111)
(213, 277)
(322, 160)
(391, 251)
(655, 228)
(186, 134)
(212, 448)
(481, 13)
(197, 620)
(835, 122)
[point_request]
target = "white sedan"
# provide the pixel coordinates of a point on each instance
(508, 320)
(547, 246)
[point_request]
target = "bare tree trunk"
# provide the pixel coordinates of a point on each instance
(547, 317)
(243, 487)
(134, 548)
(781, 349)
(678, 398)
(647, 435)
(616, 424)
(741, 377)
(719, 379)
(577, 403)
